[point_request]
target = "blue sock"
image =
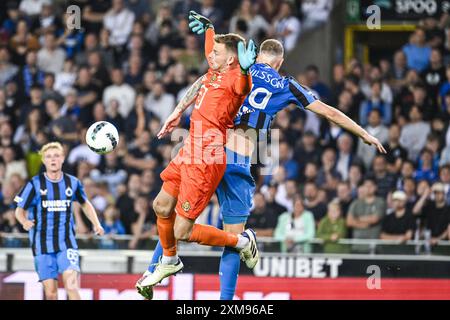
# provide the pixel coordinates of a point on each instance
(155, 259)
(228, 271)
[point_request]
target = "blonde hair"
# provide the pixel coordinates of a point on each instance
(272, 47)
(51, 145)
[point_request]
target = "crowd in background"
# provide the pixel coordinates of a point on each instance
(132, 60)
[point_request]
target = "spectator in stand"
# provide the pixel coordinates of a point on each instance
(262, 220)
(60, 127)
(47, 21)
(111, 222)
(7, 69)
(435, 212)
(409, 187)
(140, 155)
(444, 178)
(417, 51)
(345, 157)
(312, 75)
(271, 203)
(110, 170)
(159, 102)
(344, 197)
(396, 154)
(378, 130)
(365, 213)
(306, 150)
(285, 158)
(143, 225)
(50, 58)
(256, 24)
(295, 229)
(375, 102)
(119, 22)
(385, 180)
(332, 228)
(328, 176)
(434, 77)
(287, 26)
(444, 89)
(22, 42)
(312, 201)
(373, 74)
(414, 134)
(315, 13)
(212, 12)
(82, 152)
(48, 90)
(399, 223)
(399, 71)
(426, 170)
(125, 202)
(120, 91)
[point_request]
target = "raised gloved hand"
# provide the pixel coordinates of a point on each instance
(199, 23)
(247, 57)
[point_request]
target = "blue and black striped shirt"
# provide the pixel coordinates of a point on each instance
(270, 93)
(49, 203)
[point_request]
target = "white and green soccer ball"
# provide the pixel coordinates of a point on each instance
(102, 137)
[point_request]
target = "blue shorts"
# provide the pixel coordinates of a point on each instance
(49, 265)
(236, 189)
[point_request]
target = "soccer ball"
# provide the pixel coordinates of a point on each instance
(102, 137)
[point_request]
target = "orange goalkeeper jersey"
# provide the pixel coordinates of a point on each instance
(219, 99)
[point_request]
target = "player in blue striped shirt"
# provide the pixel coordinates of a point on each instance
(44, 208)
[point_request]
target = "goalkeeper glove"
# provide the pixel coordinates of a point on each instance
(247, 57)
(199, 23)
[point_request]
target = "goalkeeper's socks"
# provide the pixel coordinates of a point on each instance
(157, 253)
(243, 240)
(169, 259)
(228, 271)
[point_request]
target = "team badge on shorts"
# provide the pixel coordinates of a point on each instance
(186, 206)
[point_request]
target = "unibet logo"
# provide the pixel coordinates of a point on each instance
(56, 205)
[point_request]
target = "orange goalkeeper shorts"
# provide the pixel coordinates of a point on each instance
(192, 184)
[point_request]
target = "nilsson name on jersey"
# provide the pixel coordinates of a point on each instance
(56, 205)
(267, 77)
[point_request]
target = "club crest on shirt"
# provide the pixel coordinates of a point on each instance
(69, 192)
(43, 192)
(186, 206)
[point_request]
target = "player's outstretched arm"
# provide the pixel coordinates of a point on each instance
(90, 213)
(174, 119)
(339, 118)
(199, 25)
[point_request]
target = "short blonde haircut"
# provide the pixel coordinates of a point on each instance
(272, 47)
(51, 145)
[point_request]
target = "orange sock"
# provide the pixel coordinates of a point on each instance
(166, 234)
(212, 236)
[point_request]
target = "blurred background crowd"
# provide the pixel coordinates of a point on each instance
(132, 60)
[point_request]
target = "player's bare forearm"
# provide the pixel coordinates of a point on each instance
(90, 213)
(20, 215)
(189, 97)
(338, 117)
